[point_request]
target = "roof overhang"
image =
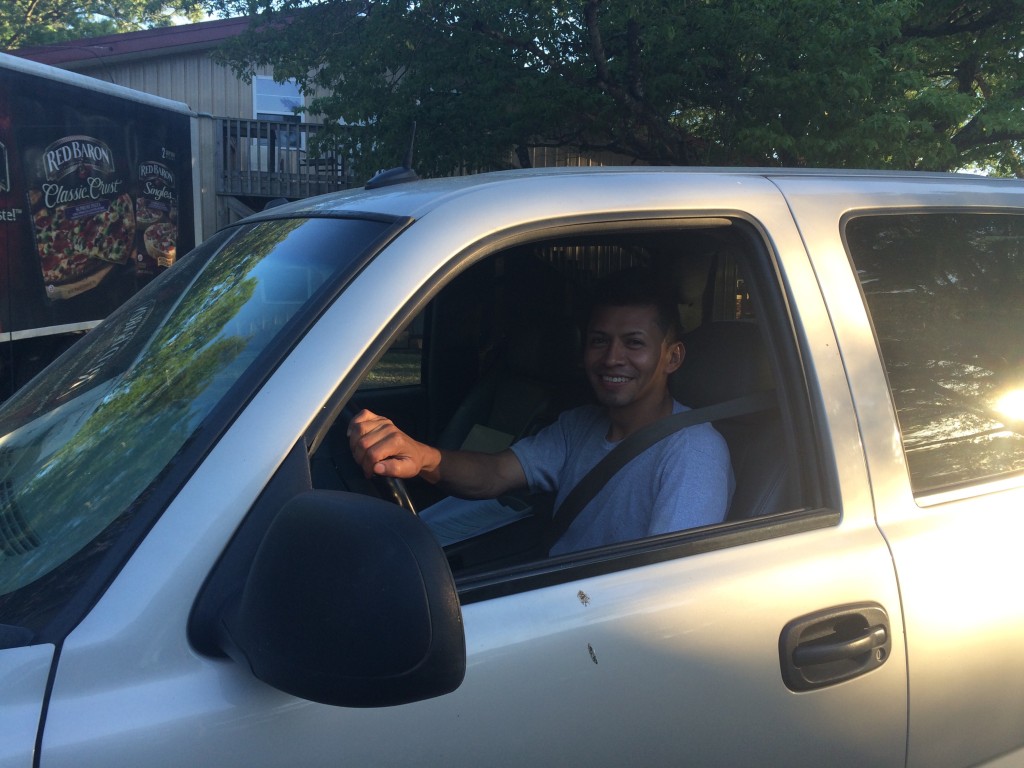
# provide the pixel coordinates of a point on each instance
(146, 43)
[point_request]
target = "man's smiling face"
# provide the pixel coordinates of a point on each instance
(628, 358)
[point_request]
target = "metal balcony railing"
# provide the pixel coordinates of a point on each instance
(264, 158)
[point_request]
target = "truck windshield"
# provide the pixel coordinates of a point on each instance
(84, 442)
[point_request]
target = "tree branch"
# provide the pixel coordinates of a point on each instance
(1015, 161)
(634, 52)
(967, 20)
(527, 45)
(972, 136)
(597, 53)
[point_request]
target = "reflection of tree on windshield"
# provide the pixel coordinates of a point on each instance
(944, 293)
(155, 406)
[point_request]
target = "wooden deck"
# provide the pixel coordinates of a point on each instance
(261, 158)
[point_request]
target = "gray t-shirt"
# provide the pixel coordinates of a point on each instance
(683, 481)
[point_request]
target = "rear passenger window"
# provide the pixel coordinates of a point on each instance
(945, 296)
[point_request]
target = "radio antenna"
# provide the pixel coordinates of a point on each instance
(412, 143)
(397, 175)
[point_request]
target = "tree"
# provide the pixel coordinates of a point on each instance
(879, 83)
(36, 22)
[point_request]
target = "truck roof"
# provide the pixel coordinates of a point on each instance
(416, 198)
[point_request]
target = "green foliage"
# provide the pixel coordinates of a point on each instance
(37, 22)
(873, 83)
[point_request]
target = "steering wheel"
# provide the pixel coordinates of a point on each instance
(393, 489)
(388, 488)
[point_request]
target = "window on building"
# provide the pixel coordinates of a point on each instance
(276, 101)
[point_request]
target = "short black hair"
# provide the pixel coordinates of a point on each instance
(640, 287)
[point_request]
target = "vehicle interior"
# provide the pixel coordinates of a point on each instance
(496, 356)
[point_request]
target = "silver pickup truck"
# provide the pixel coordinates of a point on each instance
(194, 570)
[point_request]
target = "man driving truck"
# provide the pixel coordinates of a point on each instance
(631, 347)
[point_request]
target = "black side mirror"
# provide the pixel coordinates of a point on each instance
(349, 602)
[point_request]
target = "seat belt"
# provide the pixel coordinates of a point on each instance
(631, 447)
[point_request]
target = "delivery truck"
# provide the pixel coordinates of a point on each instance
(97, 196)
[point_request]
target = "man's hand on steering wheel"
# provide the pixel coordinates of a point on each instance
(383, 450)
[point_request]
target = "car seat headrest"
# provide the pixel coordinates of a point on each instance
(724, 360)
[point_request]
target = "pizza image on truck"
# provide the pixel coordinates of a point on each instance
(96, 199)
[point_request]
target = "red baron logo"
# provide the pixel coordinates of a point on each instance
(157, 181)
(152, 170)
(76, 154)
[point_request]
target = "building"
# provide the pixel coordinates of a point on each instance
(252, 146)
